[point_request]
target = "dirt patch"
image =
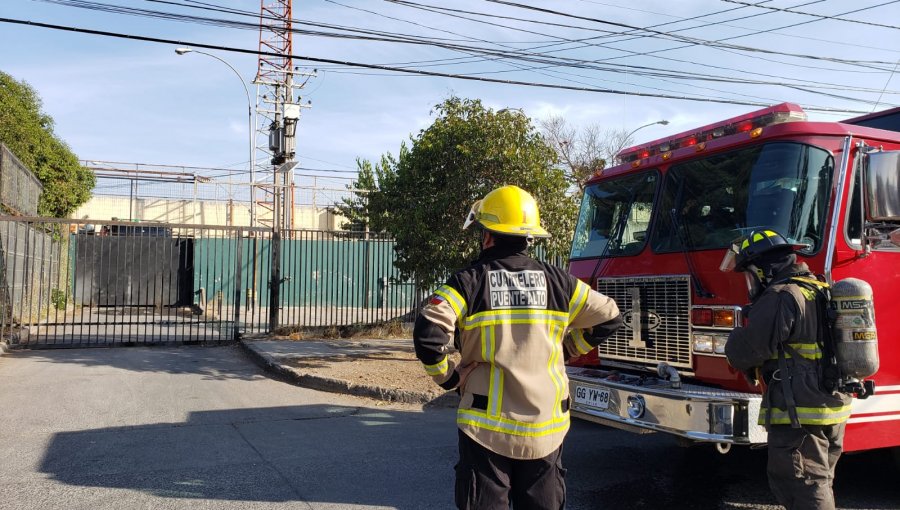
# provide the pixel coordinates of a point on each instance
(386, 330)
(392, 366)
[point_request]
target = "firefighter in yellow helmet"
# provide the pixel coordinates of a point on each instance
(515, 321)
(785, 343)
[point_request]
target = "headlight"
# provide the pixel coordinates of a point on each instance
(719, 343)
(703, 343)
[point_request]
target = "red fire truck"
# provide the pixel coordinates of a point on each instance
(652, 231)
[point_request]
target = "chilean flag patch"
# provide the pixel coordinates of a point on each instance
(435, 300)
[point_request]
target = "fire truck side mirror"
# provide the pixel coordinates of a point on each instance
(882, 183)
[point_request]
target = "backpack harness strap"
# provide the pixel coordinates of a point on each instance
(783, 371)
(785, 379)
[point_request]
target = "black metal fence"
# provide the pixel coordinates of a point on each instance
(69, 283)
(64, 284)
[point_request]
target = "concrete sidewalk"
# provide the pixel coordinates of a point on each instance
(281, 356)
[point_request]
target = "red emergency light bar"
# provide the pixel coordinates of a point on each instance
(784, 112)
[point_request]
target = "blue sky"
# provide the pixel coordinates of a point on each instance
(138, 102)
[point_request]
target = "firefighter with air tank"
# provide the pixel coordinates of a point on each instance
(809, 357)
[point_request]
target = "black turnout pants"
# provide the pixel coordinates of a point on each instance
(488, 481)
(801, 464)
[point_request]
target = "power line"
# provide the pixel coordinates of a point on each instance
(329, 162)
(398, 38)
(399, 70)
(640, 70)
(673, 75)
(692, 40)
(725, 24)
(885, 86)
(774, 30)
(820, 16)
(811, 83)
(653, 33)
(149, 167)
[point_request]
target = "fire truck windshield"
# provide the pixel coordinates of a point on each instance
(615, 212)
(779, 185)
(782, 186)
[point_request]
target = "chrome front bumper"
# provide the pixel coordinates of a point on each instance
(649, 404)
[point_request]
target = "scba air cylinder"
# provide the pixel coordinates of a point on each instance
(856, 339)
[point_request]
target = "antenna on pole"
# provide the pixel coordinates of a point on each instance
(277, 114)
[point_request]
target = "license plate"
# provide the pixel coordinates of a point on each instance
(593, 397)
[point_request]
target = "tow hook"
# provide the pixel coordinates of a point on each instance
(723, 448)
(669, 373)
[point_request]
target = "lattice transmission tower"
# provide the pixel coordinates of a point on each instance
(278, 106)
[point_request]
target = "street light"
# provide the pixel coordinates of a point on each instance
(183, 51)
(663, 122)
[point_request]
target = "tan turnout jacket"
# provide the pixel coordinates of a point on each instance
(519, 319)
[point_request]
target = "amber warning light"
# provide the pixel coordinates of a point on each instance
(752, 122)
(713, 317)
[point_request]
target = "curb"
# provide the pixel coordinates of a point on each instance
(318, 382)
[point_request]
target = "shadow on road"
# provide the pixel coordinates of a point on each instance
(399, 459)
(652, 472)
(315, 453)
(213, 362)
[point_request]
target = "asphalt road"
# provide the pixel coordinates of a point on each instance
(194, 427)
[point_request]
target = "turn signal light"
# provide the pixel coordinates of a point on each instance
(723, 318)
(713, 317)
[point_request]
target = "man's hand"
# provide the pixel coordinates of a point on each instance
(464, 372)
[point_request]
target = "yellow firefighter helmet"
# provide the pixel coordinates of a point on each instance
(508, 210)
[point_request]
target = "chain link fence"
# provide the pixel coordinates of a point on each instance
(20, 190)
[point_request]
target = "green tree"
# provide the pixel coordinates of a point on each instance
(356, 208)
(28, 132)
(424, 194)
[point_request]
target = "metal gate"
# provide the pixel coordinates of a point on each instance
(67, 283)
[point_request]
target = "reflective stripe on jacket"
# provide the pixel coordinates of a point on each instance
(519, 319)
(786, 316)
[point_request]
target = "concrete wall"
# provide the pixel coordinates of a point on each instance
(199, 212)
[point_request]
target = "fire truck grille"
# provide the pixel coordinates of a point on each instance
(659, 306)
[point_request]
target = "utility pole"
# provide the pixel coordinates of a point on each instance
(278, 108)
(278, 112)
